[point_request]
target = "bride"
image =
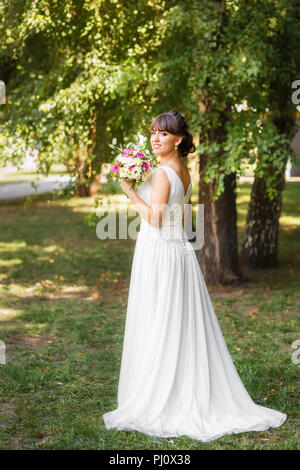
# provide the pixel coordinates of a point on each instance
(177, 377)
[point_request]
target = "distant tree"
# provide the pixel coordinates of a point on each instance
(272, 97)
(80, 73)
(75, 73)
(218, 62)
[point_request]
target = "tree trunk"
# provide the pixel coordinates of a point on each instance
(218, 257)
(88, 169)
(82, 187)
(260, 244)
(82, 190)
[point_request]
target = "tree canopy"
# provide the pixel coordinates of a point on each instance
(80, 73)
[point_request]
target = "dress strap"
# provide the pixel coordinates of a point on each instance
(168, 170)
(172, 175)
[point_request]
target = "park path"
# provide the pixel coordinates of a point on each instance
(52, 183)
(23, 188)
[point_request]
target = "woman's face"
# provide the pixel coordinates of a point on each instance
(163, 142)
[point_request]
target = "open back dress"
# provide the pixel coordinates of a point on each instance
(177, 377)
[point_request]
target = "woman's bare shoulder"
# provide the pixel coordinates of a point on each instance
(183, 172)
(159, 174)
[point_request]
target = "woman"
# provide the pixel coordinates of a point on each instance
(177, 377)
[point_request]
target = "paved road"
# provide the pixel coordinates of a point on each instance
(22, 189)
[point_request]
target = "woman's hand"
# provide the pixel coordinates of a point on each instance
(126, 185)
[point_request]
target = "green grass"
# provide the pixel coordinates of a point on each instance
(63, 297)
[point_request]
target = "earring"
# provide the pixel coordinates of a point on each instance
(176, 147)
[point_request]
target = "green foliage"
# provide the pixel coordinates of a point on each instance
(80, 73)
(72, 78)
(259, 143)
(230, 69)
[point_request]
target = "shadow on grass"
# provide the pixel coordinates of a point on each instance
(63, 299)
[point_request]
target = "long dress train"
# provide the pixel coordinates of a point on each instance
(177, 377)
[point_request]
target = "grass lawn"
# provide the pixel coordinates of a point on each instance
(63, 297)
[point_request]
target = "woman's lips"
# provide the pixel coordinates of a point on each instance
(156, 146)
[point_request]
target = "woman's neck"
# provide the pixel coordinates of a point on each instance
(171, 158)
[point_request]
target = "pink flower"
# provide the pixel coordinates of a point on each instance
(126, 153)
(132, 152)
(140, 155)
(150, 164)
(132, 166)
(115, 169)
(145, 165)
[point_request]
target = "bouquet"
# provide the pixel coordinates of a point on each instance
(133, 164)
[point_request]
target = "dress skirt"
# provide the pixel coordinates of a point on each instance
(177, 377)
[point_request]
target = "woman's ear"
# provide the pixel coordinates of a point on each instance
(178, 140)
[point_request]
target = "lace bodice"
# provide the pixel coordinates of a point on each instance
(171, 227)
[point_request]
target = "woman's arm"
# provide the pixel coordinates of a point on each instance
(153, 212)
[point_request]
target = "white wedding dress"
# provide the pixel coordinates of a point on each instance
(177, 377)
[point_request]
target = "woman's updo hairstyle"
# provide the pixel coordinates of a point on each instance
(174, 123)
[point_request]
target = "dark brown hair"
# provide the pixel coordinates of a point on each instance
(174, 123)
